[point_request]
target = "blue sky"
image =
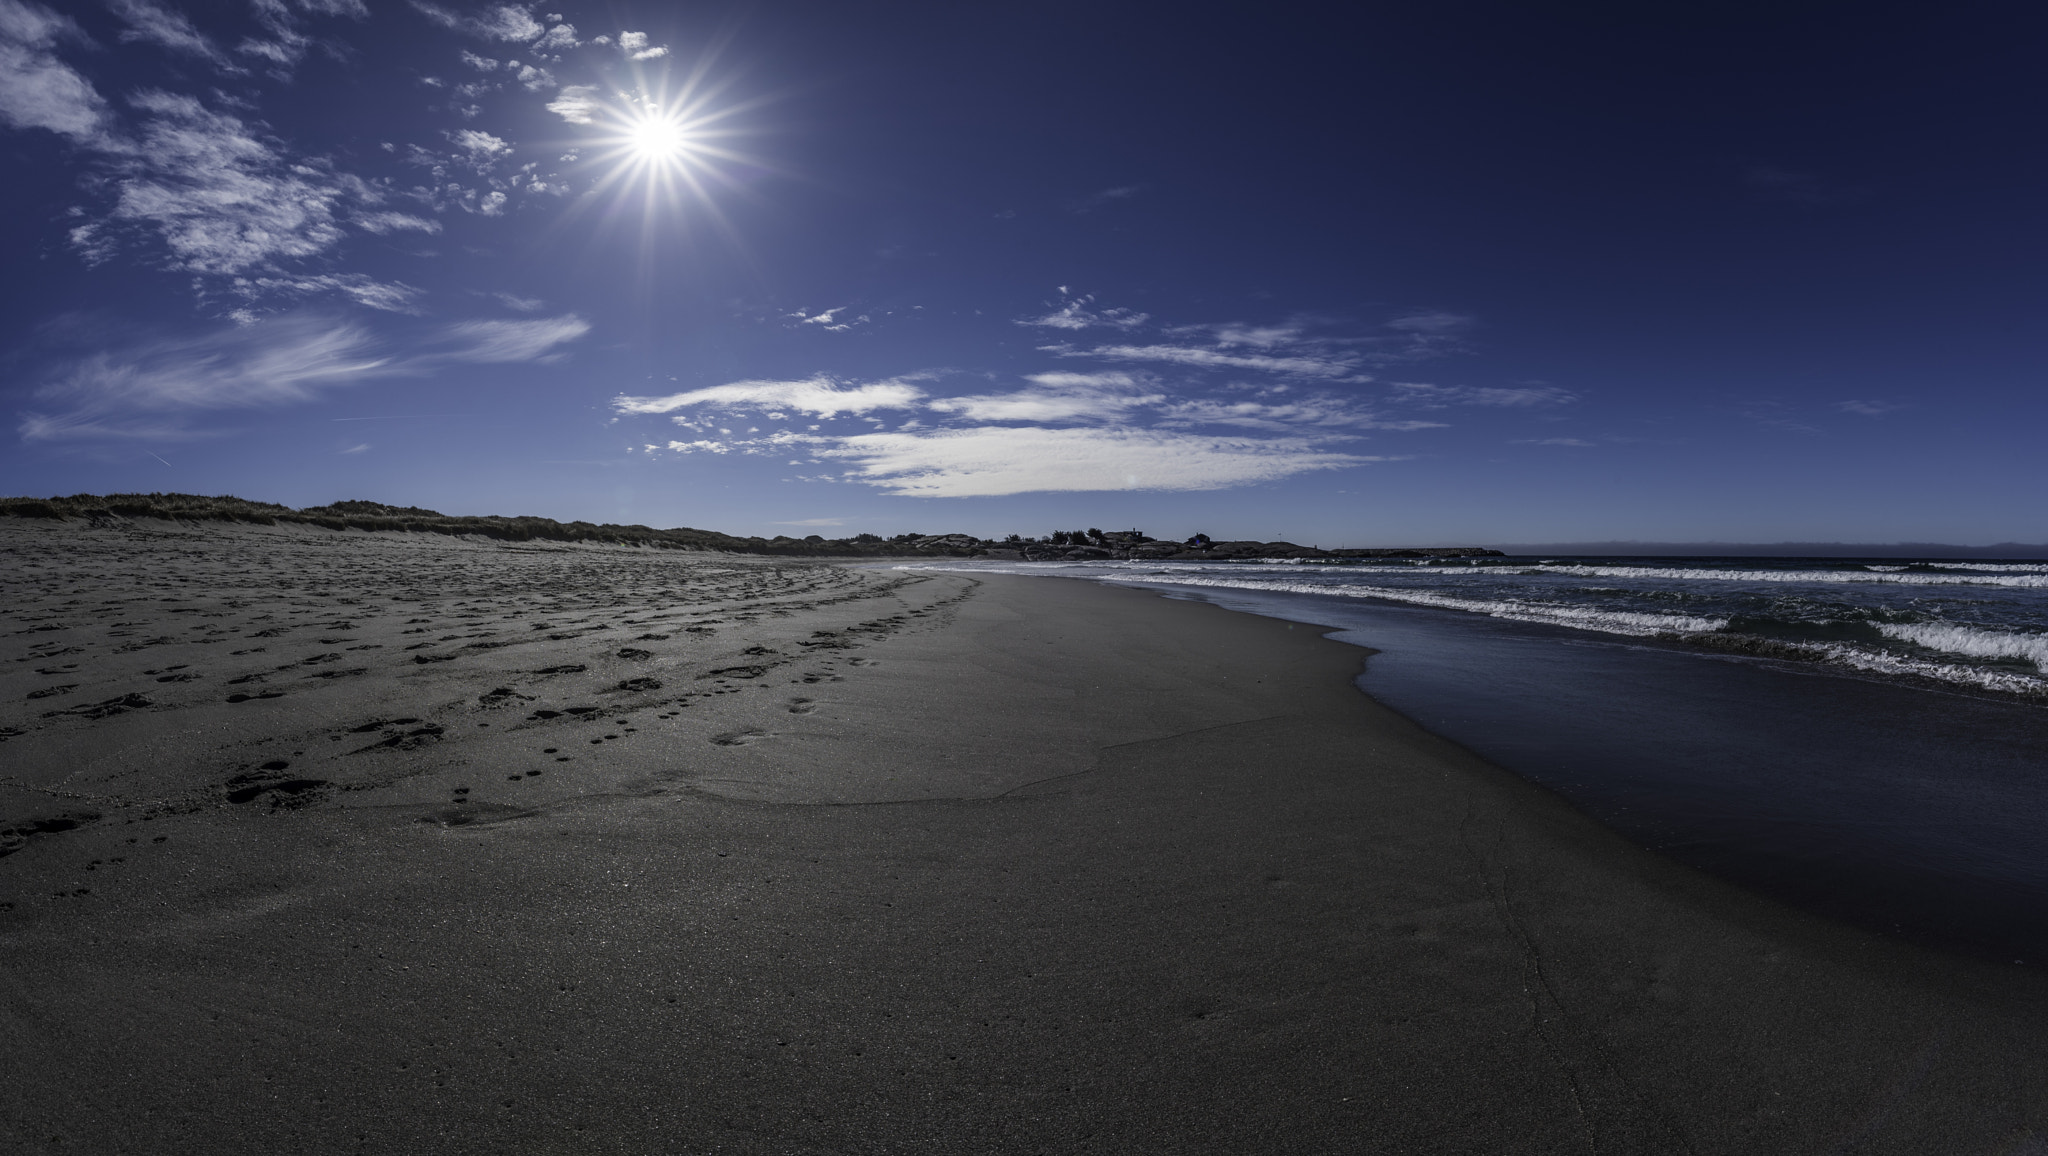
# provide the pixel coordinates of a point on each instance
(1346, 275)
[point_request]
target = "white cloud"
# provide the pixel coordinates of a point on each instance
(1089, 397)
(700, 446)
(1418, 393)
(534, 79)
(36, 89)
(1286, 416)
(151, 389)
(1868, 408)
(221, 200)
(821, 396)
(1075, 314)
(1260, 336)
(634, 45)
(497, 22)
(288, 40)
(383, 223)
(132, 392)
(482, 147)
(1434, 322)
(560, 38)
(152, 22)
(520, 304)
(576, 104)
(1550, 442)
(1094, 201)
(988, 461)
(501, 341)
(389, 296)
(480, 63)
(1307, 365)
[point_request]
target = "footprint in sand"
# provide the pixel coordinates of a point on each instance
(801, 706)
(741, 738)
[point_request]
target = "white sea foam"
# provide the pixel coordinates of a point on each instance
(1971, 642)
(1883, 663)
(1799, 577)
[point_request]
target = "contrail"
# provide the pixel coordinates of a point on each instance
(154, 456)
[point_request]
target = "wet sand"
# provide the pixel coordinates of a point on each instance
(857, 861)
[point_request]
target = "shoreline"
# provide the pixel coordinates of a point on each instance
(1024, 866)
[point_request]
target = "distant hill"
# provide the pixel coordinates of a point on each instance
(1074, 545)
(1785, 549)
(375, 516)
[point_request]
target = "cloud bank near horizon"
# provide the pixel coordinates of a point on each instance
(1202, 407)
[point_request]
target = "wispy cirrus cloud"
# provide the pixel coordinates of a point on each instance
(287, 40)
(1103, 197)
(493, 22)
(493, 342)
(1191, 408)
(987, 461)
(1326, 366)
(1077, 313)
(1868, 407)
(155, 388)
(819, 396)
(1520, 397)
(167, 28)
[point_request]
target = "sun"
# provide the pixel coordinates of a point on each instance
(655, 139)
(661, 152)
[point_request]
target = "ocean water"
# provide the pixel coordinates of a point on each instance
(1864, 739)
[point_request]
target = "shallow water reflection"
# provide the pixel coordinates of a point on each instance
(1912, 811)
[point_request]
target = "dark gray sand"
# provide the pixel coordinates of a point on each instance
(884, 863)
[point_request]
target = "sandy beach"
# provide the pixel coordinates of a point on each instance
(346, 842)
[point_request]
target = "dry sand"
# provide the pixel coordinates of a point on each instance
(857, 861)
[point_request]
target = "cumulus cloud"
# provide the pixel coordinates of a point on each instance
(560, 38)
(220, 199)
(987, 461)
(482, 148)
(821, 396)
(37, 90)
(635, 46)
(577, 103)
